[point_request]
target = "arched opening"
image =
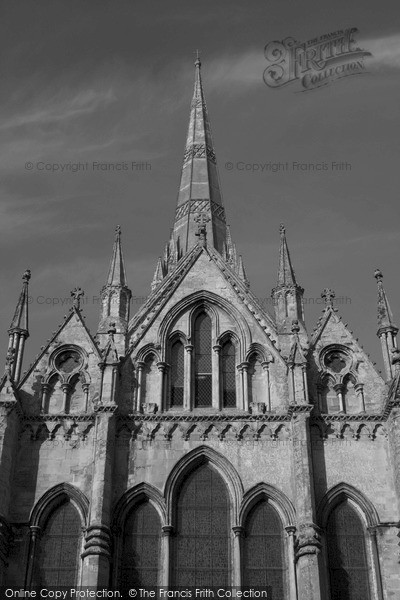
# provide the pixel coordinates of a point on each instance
(55, 397)
(263, 550)
(177, 374)
(347, 557)
(329, 399)
(149, 381)
(140, 548)
(76, 400)
(350, 398)
(257, 392)
(228, 371)
(202, 361)
(59, 548)
(201, 544)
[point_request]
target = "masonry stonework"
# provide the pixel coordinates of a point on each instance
(300, 424)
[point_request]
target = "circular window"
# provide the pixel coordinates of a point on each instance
(336, 361)
(68, 361)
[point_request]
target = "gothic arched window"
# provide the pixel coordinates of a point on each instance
(55, 397)
(348, 567)
(200, 554)
(329, 398)
(76, 400)
(141, 541)
(177, 373)
(263, 550)
(228, 369)
(59, 547)
(257, 391)
(149, 380)
(350, 397)
(202, 361)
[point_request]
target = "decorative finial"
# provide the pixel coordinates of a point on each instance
(26, 276)
(118, 231)
(328, 295)
(295, 326)
(378, 275)
(198, 62)
(77, 293)
(282, 229)
(396, 356)
(10, 360)
(202, 220)
(112, 329)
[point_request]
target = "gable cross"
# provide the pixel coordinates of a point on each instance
(77, 294)
(328, 295)
(202, 220)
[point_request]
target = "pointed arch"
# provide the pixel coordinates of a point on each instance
(146, 351)
(195, 458)
(55, 496)
(139, 493)
(207, 300)
(341, 492)
(276, 497)
(60, 516)
(138, 518)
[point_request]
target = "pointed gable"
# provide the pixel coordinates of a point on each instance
(332, 335)
(72, 333)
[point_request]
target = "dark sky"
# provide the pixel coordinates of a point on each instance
(111, 81)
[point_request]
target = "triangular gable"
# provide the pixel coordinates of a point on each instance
(144, 319)
(65, 334)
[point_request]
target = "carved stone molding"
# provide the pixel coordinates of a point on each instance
(97, 541)
(307, 540)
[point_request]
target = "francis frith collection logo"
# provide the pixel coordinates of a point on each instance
(315, 63)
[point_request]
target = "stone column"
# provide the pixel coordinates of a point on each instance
(359, 389)
(140, 367)
(65, 389)
(35, 532)
(308, 539)
(97, 554)
(162, 366)
(216, 383)
(292, 564)
(237, 562)
(339, 391)
(265, 366)
(376, 563)
(45, 392)
(292, 387)
(187, 389)
(243, 369)
(167, 531)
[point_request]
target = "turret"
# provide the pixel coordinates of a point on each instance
(287, 295)
(387, 330)
(115, 299)
(18, 331)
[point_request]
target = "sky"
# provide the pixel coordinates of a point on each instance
(100, 81)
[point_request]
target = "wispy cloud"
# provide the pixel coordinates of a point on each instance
(385, 50)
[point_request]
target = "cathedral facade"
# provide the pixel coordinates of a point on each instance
(202, 442)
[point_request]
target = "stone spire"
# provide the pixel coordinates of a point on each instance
(387, 330)
(199, 190)
(287, 295)
(286, 276)
(19, 331)
(158, 275)
(115, 295)
(116, 274)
